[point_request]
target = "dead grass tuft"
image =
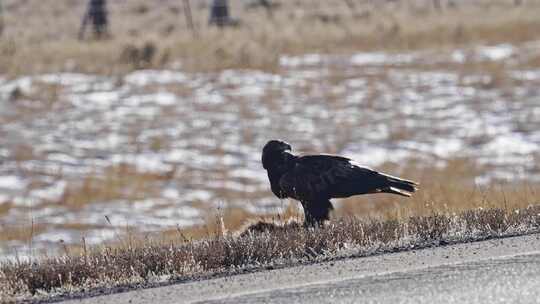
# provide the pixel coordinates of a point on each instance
(139, 57)
(5, 207)
(261, 246)
(116, 182)
(22, 233)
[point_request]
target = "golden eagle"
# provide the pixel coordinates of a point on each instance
(315, 179)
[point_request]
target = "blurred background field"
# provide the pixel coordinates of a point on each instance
(158, 128)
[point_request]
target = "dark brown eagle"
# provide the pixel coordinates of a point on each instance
(315, 179)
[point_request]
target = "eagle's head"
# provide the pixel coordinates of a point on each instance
(272, 152)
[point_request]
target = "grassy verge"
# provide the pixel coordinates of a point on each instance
(146, 262)
(294, 27)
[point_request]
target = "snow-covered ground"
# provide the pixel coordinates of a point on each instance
(207, 129)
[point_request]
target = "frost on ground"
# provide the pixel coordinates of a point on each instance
(205, 130)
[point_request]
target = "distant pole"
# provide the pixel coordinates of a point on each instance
(189, 17)
(1, 19)
(84, 23)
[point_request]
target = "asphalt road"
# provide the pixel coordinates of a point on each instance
(495, 271)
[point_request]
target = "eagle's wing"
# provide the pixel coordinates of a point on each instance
(329, 176)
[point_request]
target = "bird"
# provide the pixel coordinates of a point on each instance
(314, 180)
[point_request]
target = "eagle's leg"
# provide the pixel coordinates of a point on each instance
(316, 212)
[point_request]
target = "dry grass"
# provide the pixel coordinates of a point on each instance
(447, 209)
(23, 233)
(145, 262)
(5, 207)
(116, 182)
(294, 27)
(444, 190)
